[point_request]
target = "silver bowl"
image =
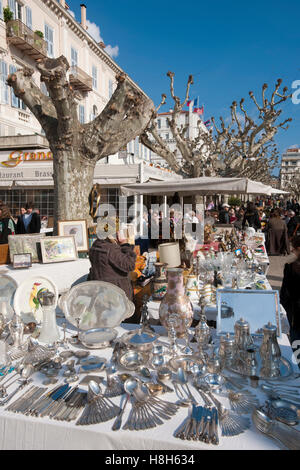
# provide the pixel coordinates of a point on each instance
(132, 360)
(214, 381)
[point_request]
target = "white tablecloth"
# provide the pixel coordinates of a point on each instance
(23, 433)
(62, 274)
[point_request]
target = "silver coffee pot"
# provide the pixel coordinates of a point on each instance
(270, 352)
(227, 349)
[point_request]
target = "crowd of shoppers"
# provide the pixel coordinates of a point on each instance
(28, 221)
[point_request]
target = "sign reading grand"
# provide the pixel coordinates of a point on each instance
(18, 156)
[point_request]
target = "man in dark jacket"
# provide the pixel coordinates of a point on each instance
(28, 222)
(290, 294)
(224, 217)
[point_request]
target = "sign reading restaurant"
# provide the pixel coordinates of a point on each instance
(16, 157)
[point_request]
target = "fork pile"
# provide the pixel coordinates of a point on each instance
(202, 426)
(146, 414)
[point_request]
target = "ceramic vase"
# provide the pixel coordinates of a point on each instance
(159, 286)
(192, 287)
(176, 302)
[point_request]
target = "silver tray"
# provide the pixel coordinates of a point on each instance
(97, 304)
(97, 338)
(285, 368)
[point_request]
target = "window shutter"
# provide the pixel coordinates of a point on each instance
(4, 86)
(28, 17)
(12, 6)
(14, 100)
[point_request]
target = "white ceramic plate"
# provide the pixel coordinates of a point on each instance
(8, 287)
(26, 304)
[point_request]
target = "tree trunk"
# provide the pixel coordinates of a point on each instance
(73, 181)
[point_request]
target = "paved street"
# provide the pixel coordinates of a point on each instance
(275, 273)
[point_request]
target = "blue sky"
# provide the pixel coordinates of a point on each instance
(230, 48)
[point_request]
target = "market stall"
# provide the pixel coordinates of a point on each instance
(24, 432)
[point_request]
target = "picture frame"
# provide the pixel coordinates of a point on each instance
(22, 260)
(58, 249)
(26, 243)
(79, 229)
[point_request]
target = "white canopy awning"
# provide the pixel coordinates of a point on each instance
(204, 185)
(278, 191)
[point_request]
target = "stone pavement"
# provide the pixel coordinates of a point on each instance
(275, 273)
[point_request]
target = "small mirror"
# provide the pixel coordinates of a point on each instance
(255, 306)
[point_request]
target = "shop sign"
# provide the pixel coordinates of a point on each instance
(19, 156)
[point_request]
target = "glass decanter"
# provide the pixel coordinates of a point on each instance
(49, 332)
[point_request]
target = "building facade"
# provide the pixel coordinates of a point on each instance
(290, 164)
(186, 119)
(46, 28)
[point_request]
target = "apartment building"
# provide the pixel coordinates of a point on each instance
(41, 28)
(290, 164)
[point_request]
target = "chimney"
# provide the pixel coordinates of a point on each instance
(83, 15)
(63, 3)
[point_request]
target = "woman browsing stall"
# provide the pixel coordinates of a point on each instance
(112, 255)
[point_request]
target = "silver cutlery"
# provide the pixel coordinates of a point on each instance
(288, 436)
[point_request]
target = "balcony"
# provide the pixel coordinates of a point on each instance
(26, 40)
(80, 80)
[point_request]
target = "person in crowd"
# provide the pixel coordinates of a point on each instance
(238, 223)
(251, 218)
(261, 214)
(224, 214)
(277, 242)
(112, 257)
(29, 221)
(143, 239)
(295, 206)
(293, 224)
(7, 225)
(232, 216)
(210, 205)
(290, 292)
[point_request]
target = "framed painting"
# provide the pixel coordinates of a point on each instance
(22, 260)
(58, 249)
(77, 228)
(27, 243)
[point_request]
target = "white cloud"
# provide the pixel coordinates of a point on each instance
(112, 51)
(94, 31)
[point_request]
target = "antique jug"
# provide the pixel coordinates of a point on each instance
(175, 301)
(49, 332)
(159, 286)
(226, 350)
(270, 351)
(16, 329)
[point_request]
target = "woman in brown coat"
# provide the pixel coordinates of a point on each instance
(277, 242)
(112, 257)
